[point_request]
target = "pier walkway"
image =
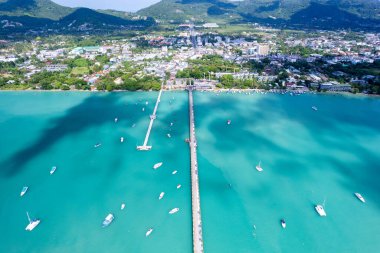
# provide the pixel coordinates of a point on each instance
(195, 198)
(145, 146)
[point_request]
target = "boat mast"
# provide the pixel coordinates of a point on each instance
(27, 214)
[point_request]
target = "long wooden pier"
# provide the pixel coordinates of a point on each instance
(195, 198)
(145, 146)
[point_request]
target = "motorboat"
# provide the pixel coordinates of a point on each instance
(174, 172)
(228, 122)
(320, 210)
(146, 102)
(32, 223)
(116, 119)
(360, 197)
(122, 206)
(171, 123)
(97, 145)
(121, 139)
(143, 109)
(53, 169)
(178, 186)
(108, 220)
(157, 165)
(162, 194)
(24, 190)
(259, 168)
(174, 210)
(314, 108)
(169, 135)
(149, 232)
(283, 223)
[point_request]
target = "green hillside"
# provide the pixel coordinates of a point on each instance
(308, 13)
(34, 8)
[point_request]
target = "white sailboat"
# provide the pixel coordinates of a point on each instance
(258, 167)
(24, 190)
(157, 165)
(320, 209)
(148, 232)
(360, 197)
(32, 223)
(174, 210)
(53, 169)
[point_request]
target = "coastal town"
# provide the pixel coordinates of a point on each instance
(259, 58)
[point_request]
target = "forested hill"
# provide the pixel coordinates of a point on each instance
(299, 13)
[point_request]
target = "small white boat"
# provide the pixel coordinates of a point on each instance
(360, 197)
(174, 172)
(229, 122)
(174, 210)
(258, 167)
(122, 206)
(116, 119)
(53, 169)
(171, 123)
(121, 139)
(157, 165)
(143, 109)
(283, 223)
(32, 223)
(169, 136)
(146, 102)
(314, 108)
(133, 125)
(162, 194)
(97, 145)
(24, 190)
(178, 186)
(148, 232)
(108, 220)
(320, 210)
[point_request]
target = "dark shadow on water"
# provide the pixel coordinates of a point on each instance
(93, 111)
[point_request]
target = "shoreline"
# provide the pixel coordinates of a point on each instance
(222, 90)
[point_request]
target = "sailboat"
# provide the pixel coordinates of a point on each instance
(161, 195)
(258, 167)
(32, 223)
(148, 232)
(320, 209)
(24, 190)
(53, 170)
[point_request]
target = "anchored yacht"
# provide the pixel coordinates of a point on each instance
(360, 197)
(148, 232)
(174, 210)
(283, 223)
(258, 167)
(320, 210)
(157, 165)
(53, 170)
(32, 223)
(108, 220)
(24, 190)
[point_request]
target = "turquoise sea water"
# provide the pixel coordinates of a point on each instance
(41, 130)
(307, 156)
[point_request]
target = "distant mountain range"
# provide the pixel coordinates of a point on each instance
(293, 13)
(21, 15)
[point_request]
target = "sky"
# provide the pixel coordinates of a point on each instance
(120, 5)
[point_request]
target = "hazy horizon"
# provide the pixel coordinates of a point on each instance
(120, 5)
